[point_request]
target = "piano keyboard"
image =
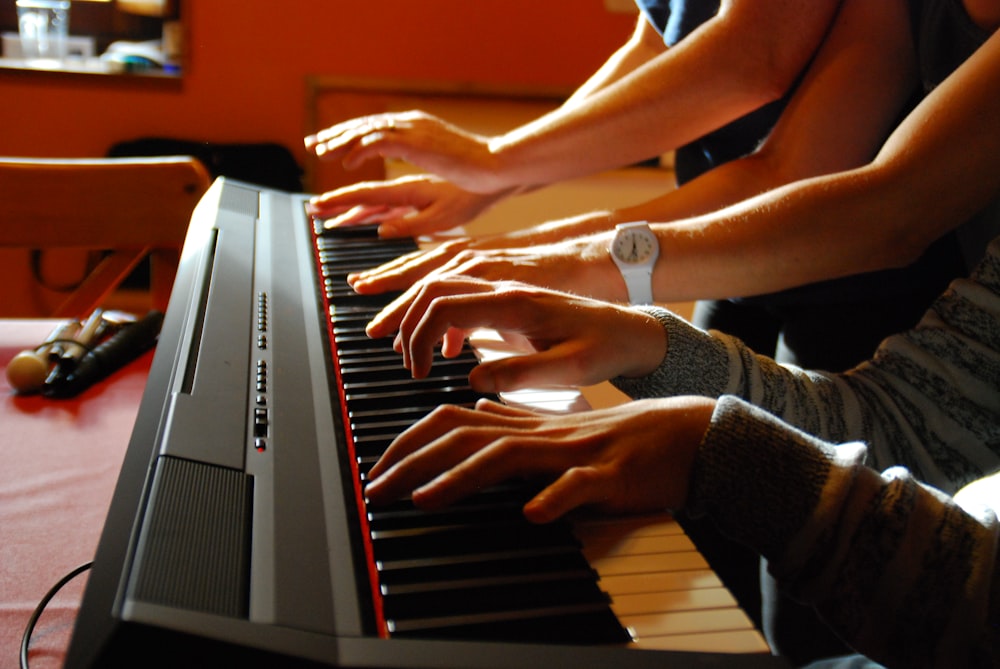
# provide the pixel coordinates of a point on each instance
(480, 570)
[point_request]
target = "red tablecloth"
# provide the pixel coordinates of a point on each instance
(60, 461)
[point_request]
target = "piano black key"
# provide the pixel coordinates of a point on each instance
(526, 595)
(581, 624)
(402, 399)
(376, 421)
(394, 371)
(323, 234)
(361, 342)
(502, 508)
(470, 539)
(557, 565)
(405, 384)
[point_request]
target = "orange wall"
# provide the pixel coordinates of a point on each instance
(248, 60)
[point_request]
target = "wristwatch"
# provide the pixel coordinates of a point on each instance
(635, 249)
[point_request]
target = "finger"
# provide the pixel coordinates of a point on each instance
(556, 366)
(506, 451)
(335, 141)
(404, 191)
(406, 270)
(386, 268)
(357, 215)
(399, 274)
(453, 343)
(442, 442)
(424, 431)
(332, 146)
(490, 406)
(577, 487)
(415, 223)
(429, 319)
(386, 142)
(490, 464)
(386, 322)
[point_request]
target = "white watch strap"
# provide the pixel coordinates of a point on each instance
(639, 283)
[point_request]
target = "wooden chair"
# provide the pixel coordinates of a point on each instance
(116, 211)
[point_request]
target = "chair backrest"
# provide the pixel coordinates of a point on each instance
(121, 209)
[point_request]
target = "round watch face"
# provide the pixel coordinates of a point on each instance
(634, 246)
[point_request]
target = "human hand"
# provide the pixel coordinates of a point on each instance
(636, 457)
(434, 145)
(580, 265)
(575, 341)
(409, 206)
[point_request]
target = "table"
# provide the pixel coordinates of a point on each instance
(60, 465)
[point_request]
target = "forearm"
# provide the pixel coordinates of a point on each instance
(549, 233)
(716, 364)
(643, 46)
(936, 169)
(926, 399)
(818, 517)
(722, 186)
(730, 67)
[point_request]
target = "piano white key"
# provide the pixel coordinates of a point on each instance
(607, 547)
(660, 628)
(727, 641)
(661, 587)
(653, 602)
(663, 581)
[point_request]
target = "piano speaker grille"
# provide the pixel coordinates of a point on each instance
(194, 551)
(241, 200)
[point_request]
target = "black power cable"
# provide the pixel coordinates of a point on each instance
(26, 637)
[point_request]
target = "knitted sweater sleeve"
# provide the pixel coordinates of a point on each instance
(898, 569)
(928, 399)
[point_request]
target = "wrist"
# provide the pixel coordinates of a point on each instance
(503, 166)
(648, 345)
(600, 275)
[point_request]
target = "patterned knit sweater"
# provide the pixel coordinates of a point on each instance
(900, 570)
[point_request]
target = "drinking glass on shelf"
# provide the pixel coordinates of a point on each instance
(43, 26)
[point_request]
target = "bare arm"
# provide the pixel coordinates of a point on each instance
(853, 94)
(746, 56)
(938, 168)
